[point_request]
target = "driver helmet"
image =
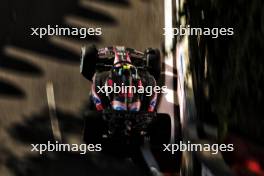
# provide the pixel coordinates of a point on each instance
(125, 81)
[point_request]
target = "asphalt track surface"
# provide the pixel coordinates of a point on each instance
(28, 64)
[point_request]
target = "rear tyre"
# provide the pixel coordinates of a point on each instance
(160, 134)
(160, 130)
(93, 128)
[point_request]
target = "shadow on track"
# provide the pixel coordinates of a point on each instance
(68, 164)
(37, 130)
(10, 90)
(20, 66)
(123, 3)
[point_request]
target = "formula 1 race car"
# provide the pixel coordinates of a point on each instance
(123, 119)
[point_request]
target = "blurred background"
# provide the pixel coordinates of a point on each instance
(228, 78)
(227, 71)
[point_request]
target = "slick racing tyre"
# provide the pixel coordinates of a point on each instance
(89, 57)
(160, 130)
(93, 127)
(160, 135)
(153, 62)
